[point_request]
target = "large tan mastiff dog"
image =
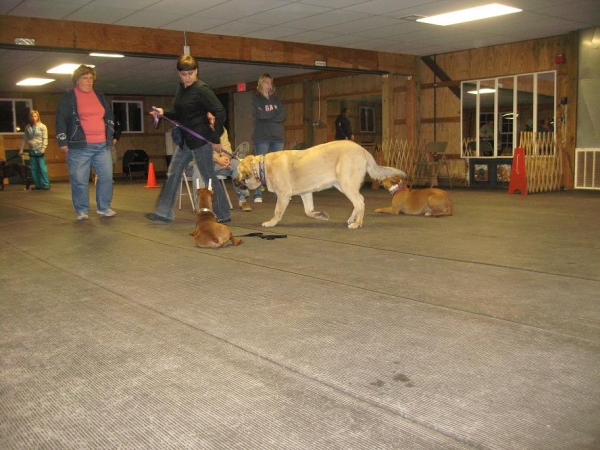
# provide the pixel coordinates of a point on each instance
(339, 164)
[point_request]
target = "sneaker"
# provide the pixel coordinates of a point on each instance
(82, 216)
(46, 188)
(245, 206)
(107, 213)
(258, 200)
(156, 218)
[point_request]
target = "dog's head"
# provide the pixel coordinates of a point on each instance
(205, 198)
(247, 175)
(393, 181)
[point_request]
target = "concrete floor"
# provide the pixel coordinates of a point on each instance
(480, 330)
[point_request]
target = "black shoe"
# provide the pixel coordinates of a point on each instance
(156, 218)
(224, 220)
(35, 188)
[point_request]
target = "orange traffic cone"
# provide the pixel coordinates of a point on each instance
(518, 178)
(151, 177)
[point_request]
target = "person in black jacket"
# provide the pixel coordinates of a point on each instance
(193, 100)
(84, 130)
(343, 129)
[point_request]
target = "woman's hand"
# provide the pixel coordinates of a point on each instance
(64, 149)
(222, 161)
(156, 110)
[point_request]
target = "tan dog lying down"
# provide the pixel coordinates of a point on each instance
(428, 202)
(339, 164)
(209, 233)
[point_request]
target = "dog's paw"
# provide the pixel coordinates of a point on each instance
(270, 223)
(321, 215)
(354, 225)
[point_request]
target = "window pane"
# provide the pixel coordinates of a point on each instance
(22, 110)
(6, 117)
(135, 116)
(14, 115)
(367, 119)
(129, 115)
(120, 114)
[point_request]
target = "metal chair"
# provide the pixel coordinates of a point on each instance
(223, 178)
(430, 163)
(197, 181)
(187, 177)
(135, 161)
(242, 150)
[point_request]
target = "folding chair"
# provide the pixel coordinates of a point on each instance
(431, 161)
(187, 178)
(242, 150)
(222, 178)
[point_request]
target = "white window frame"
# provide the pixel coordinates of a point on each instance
(15, 125)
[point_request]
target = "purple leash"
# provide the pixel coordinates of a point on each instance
(157, 117)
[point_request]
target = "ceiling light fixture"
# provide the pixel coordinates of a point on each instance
(66, 68)
(107, 55)
(470, 14)
(35, 81)
(482, 91)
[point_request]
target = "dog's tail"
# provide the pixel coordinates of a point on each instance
(377, 172)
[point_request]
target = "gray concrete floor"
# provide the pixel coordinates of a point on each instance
(480, 330)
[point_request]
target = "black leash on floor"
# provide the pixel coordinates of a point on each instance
(268, 237)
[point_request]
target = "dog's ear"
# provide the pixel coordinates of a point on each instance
(243, 169)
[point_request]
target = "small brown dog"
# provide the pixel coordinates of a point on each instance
(209, 233)
(428, 202)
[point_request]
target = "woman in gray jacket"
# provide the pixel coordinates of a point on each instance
(269, 114)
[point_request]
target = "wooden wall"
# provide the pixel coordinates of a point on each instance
(440, 107)
(151, 140)
(415, 104)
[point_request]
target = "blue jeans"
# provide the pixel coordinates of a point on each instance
(79, 161)
(39, 171)
(262, 148)
(231, 171)
(204, 160)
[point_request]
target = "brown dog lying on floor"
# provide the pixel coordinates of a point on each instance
(428, 202)
(209, 233)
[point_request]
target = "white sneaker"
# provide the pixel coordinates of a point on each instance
(258, 200)
(108, 213)
(82, 216)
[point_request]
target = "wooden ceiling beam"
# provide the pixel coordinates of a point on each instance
(63, 35)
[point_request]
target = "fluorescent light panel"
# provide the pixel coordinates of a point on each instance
(107, 55)
(66, 68)
(470, 14)
(482, 91)
(35, 81)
